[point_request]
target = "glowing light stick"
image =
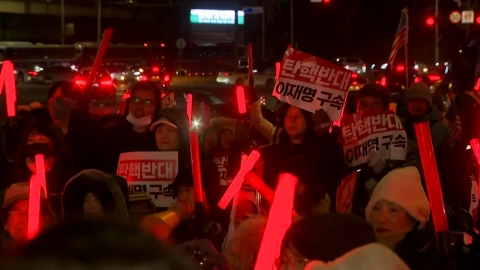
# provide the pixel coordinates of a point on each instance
(432, 179)
(107, 36)
(7, 77)
(242, 107)
(190, 108)
(237, 182)
(196, 170)
(278, 221)
(37, 181)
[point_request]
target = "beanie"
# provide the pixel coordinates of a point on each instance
(326, 237)
(403, 187)
(420, 90)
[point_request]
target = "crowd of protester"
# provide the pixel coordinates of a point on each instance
(87, 210)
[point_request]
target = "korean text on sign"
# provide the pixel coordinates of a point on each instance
(150, 172)
(312, 83)
(169, 101)
(368, 130)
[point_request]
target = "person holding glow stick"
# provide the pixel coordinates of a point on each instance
(14, 214)
(171, 129)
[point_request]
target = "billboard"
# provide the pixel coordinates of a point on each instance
(212, 16)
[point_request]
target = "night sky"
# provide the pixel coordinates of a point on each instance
(366, 28)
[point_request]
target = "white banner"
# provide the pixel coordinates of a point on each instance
(150, 172)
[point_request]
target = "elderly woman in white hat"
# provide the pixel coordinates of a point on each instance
(399, 211)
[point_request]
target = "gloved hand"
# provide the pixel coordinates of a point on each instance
(322, 122)
(376, 161)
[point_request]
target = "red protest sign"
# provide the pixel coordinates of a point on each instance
(345, 193)
(369, 130)
(312, 83)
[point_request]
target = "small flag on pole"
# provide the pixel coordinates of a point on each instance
(401, 36)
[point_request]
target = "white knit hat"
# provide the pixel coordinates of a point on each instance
(373, 256)
(403, 187)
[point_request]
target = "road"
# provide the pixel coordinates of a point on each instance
(28, 93)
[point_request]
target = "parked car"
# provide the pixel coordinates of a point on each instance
(103, 85)
(50, 75)
(264, 78)
(351, 63)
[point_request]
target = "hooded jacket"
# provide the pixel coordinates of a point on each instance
(103, 186)
(317, 162)
(209, 169)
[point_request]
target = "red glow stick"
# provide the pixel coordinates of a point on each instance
(36, 183)
(189, 108)
(242, 107)
(278, 221)
(8, 77)
(196, 170)
(476, 149)
(237, 182)
(422, 130)
(107, 36)
(277, 70)
(257, 183)
(250, 60)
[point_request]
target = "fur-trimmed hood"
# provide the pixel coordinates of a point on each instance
(103, 186)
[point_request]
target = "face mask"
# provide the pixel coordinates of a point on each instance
(38, 149)
(139, 122)
(60, 107)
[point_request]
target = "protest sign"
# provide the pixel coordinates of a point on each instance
(221, 160)
(372, 129)
(150, 172)
(169, 101)
(311, 83)
(345, 193)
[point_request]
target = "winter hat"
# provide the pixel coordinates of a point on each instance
(369, 257)
(403, 187)
(16, 192)
(100, 184)
(420, 90)
(326, 237)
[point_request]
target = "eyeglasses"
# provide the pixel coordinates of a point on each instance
(144, 102)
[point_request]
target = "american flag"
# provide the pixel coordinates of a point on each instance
(453, 122)
(401, 36)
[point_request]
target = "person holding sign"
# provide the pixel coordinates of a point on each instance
(131, 133)
(171, 129)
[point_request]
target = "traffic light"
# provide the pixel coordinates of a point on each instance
(430, 21)
(477, 20)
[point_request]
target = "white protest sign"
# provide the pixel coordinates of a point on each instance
(150, 172)
(311, 83)
(372, 129)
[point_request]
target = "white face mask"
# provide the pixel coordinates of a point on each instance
(139, 122)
